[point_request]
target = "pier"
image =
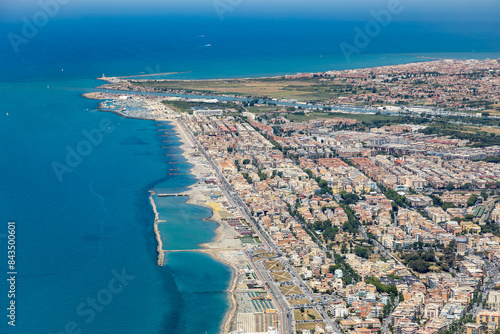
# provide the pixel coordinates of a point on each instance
(159, 247)
(171, 195)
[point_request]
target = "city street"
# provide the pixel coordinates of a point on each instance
(286, 316)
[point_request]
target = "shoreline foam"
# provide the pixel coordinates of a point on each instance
(208, 247)
(159, 247)
(219, 231)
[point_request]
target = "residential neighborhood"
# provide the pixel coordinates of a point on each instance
(397, 230)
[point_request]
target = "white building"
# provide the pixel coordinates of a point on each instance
(209, 112)
(494, 299)
(338, 273)
(339, 311)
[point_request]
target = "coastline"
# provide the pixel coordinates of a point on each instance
(413, 58)
(221, 231)
(218, 248)
(224, 242)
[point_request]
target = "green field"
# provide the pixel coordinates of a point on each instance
(304, 89)
(478, 137)
(367, 118)
(187, 106)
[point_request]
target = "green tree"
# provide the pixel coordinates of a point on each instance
(436, 200)
(348, 198)
(419, 265)
(472, 200)
(484, 195)
(447, 205)
(362, 252)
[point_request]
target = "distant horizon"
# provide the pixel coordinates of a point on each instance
(78, 179)
(422, 11)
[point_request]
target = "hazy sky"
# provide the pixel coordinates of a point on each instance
(421, 10)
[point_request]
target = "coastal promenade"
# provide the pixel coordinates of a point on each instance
(285, 319)
(225, 234)
(226, 246)
(271, 194)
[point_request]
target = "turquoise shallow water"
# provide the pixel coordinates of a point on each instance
(73, 235)
(180, 216)
(75, 232)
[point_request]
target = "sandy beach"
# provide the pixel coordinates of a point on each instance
(226, 246)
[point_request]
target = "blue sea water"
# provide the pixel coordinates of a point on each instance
(77, 232)
(71, 235)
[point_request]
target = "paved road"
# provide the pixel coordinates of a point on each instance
(286, 318)
(380, 248)
(388, 320)
(288, 324)
(489, 205)
(492, 274)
